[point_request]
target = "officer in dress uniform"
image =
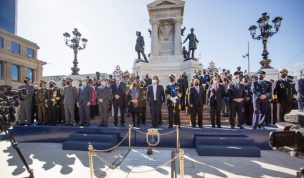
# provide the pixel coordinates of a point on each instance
(41, 97)
(174, 93)
(284, 93)
(52, 103)
(261, 95)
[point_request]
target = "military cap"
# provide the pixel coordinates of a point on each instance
(290, 77)
(283, 71)
(26, 78)
(68, 78)
(262, 72)
(42, 81)
(172, 76)
(52, 81)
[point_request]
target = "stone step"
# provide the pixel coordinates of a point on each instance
(223, 140)
(229, 151)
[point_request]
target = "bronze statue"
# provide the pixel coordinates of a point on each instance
(185, 53)
(183, 31)
(139, 47)
(192, 43)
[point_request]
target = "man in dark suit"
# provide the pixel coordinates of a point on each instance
(119, 95)
(283, 92)
(248, 108)
(104, 96)
(69, 100)
(300, 92)
(216, 93)
(155, 99)
(174, 93)
(261, 95)
(236, 93)
(83, 103)
(196, 103)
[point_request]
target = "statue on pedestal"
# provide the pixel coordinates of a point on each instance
(192, 43)
(139, 47)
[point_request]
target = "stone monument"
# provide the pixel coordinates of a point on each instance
(166, 57)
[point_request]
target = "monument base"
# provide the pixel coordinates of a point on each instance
(162, 66)
(271, 74)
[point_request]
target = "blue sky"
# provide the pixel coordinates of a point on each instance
(220, 25)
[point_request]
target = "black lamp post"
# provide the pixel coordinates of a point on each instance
(74, 44)
(265, 33)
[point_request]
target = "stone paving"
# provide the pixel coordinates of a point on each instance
(48, 161)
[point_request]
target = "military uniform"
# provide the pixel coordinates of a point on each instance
(248, 109)
(260, 87)
(41, 97)
(52, 105)
(174, 93)
(283, 91)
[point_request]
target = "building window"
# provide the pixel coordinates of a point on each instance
(15, 72)
(1, 42)
(30, 53)
(15, 47)
(29, 73)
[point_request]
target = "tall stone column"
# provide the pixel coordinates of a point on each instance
(177, 37)
(154, 39)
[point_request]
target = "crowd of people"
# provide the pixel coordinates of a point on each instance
(246, 100)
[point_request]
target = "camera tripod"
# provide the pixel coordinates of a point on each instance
(9, 134)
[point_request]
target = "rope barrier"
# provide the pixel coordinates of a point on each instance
(110, 149)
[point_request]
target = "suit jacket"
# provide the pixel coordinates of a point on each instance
(84, 94)
(160, 95)
(196, 99)
(104, 93)
(300, 90)
(259, 88)
(234, 92)
(69, 95)
(283, 90)
(216, 96)
(120, 91)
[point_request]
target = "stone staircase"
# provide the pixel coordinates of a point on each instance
(226, 145)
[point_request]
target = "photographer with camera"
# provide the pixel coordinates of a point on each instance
(26, 92)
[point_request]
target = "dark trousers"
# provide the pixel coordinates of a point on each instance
(92, 111)
(197, 111)
(236, 108)
(183, 104)
(274, 113)
(135, 118)
(84, 113)
(155, 111)
(284, 108)
(121, 107)
(260, 110)
(174, 115)
(52, 114)
(215, 114)
(248, 111)
(142, 114)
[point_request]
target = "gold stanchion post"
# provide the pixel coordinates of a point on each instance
(91, 154)
(177, 139)
(181, 163)
(130, 129)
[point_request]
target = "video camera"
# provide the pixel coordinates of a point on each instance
(8, 102)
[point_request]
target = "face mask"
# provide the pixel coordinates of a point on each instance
(236, 81)
(283, 75)
(261, 77)
(103, 83)
(154, 81)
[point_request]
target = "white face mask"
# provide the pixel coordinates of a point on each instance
(236, 81)
(154, 81)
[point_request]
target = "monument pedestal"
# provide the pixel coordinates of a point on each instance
(162, 66)
(271, 74)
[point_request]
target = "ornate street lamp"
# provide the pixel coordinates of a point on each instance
(74, 44)
(265, 33)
